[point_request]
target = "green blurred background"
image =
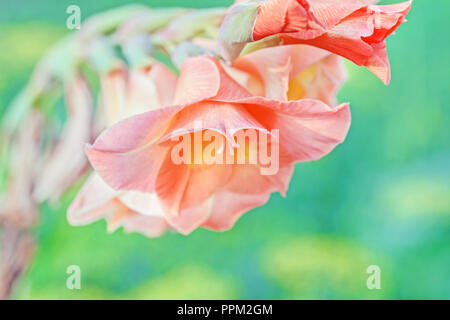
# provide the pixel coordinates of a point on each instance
(381, 198)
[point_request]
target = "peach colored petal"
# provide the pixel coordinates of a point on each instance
(272, 66)
(228, 207)
(182, 186)
(220, 117)
(115, 219)
(132, 170)
(185, 193)
(378, 62)
(134, 211)
(295, 72)
(203, 182)
(305, 56)
(247, 179)
(246, 79)
(203, 78)
(126, 155)
(271, 18)
(149, 226)
(143, 203)
(320, 81)
(93, 202)
(246, 189)
(309, 129)
(199, 79)
(329, 12)
(191, 218)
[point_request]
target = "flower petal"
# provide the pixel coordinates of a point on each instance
(165, 81)
(151, 227)
(199, 80)
(272, 67)
(143, 203)
(181, 187)
(228, 207)
(246, 190)
(93, 202)
(309, 129)
(127, 156)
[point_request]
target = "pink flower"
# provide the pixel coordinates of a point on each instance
(125, 93)
(353, 29)
(293, 73)
(137, 153)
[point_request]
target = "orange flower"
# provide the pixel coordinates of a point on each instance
(137, 153)
(352, 29)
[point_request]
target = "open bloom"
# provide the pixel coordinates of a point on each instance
(293, 73)
(125, 93)
(352, 29)
(137, 153)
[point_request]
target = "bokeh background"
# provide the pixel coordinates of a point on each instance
(381, 198)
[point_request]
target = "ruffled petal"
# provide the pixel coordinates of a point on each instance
(191, 218)
(127, 155)
(294, 72)
(228, 207)
(224, 118)
(246, 189)
(186, 191)
(320, 81)
(308, 129)
(181, 187)
(271, 18)
(272, 66)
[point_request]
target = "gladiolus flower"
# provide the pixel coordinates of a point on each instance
(136, 154)
(353, 29)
